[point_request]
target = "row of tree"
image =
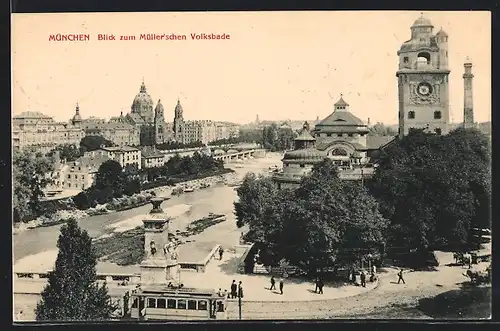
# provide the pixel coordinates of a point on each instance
(114, 182)
(428, 192)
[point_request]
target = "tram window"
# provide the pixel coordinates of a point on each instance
(171, 303)
(192, 304)
(181, 304)
(151, 303)
(202, 305)
(135, 303)
(220, 306)
(160, 303)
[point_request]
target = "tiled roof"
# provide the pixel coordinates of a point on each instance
(340, 118)
(375, 142)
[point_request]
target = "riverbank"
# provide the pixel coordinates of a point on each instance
(125, 202)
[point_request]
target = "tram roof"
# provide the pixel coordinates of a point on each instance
(182, 292)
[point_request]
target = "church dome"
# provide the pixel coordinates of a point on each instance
(422, 21)
(308, 155)
(142, 98)
(77, 117)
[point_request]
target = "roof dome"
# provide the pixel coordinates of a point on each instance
(77, 117)
(442, 33)
(159, 106)
(142, 98)
(178, 108)
(304, 134)
(422, 21)
(307, 154)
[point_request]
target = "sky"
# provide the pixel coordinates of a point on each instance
(279, 65)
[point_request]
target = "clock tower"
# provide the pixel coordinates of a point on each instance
(423, 80)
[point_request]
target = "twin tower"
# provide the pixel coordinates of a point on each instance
(423, 73)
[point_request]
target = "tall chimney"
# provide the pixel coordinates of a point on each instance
(468, 97)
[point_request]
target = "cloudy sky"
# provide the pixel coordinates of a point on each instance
(279, 65)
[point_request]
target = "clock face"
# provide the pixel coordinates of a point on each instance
(424, 89)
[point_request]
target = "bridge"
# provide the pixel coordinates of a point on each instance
(223, 152)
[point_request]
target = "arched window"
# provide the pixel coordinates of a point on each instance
(437, 115)
(423, 58)
(405, 59)
(339, 152)
(411, 114)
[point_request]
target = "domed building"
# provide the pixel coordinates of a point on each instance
(342, 136)
(151, 123)
(77, 118)
(300, 161)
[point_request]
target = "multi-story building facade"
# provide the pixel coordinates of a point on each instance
(77, 175)
(151, 158)
(119, 133)
(125, 155)
(423, 80)
(41, 132)
(205, 131)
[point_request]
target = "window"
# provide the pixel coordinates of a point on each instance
(83, 176)
(405, 59)
(181, 304)
(135, 303)
(202, 305)
(350, 134)
(192, 304)
(438, 131)
(411, 114)
(171, 303)
(328, 134)
(151, 303)
(437, 115)
(69, 176)
(302, 165)
(160, 303)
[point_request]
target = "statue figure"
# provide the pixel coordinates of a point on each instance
(170, 251)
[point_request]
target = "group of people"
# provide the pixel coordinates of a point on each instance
(273, 284)
(236, 291)
(363, 275)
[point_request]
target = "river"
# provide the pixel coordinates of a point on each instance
(185, 208)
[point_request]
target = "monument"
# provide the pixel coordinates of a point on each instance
(160, 266)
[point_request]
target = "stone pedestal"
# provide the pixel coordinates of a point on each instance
(160, 266)
(157, 272)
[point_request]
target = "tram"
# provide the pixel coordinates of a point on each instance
(156, 303)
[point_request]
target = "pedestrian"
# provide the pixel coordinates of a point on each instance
(354, 277)
(273, 284)
(372, 277)
(374, 269)
(240, 290)
(363, 278)
(226, 294)
(316, 283)
(281, 286)
(221, 252)
(234, 289)
(19, 316)
(400, 276)
(320, 285)
(219, 293)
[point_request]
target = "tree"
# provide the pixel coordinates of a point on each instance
(314, 225)
(110, 175)
(92, 143)
(434, 189)
(277, 139)
(31, 174)
(329, 220)
(72, 292)
(68, 152)
(379, 129)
